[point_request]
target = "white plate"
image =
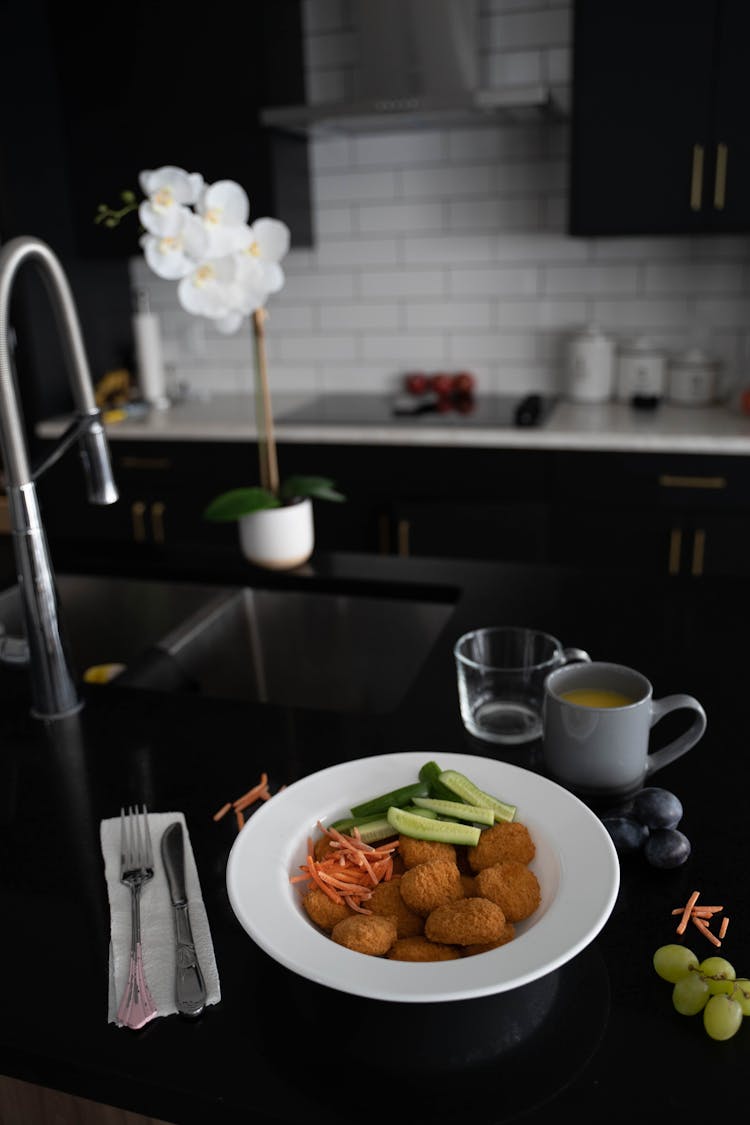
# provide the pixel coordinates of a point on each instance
(576, 865)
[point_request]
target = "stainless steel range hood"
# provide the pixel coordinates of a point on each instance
(417, 65)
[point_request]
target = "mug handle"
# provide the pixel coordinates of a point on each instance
(661, 707)
(573, 655)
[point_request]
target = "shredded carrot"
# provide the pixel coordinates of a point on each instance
(686, 912)
(240, 818)
(350, 870)
(705, 931)
(724, 927)
(223, 811)
(257, 792)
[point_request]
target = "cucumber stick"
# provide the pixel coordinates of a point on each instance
(430, 772)
(456, 809)
(471, 794)
(398, 797)
(441, 831)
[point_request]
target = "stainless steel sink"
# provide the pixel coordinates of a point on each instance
(346, 652)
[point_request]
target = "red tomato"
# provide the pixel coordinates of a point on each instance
(441, 383)
(463, 383)
(416, 382)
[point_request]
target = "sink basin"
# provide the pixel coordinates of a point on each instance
(347, 652)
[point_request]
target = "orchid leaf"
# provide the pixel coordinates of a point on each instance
(239, 502)
(318, 488)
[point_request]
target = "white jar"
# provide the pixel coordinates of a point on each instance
(693, 378)
(641, 370)
(589, 366)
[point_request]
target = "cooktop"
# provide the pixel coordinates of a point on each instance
(402, 409)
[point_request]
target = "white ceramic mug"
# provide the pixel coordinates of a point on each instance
(597, 721)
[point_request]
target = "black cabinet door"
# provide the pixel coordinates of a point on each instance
(657, 100)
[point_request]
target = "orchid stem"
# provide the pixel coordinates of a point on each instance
(269, 471)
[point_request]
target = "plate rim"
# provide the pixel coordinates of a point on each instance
(573, 917)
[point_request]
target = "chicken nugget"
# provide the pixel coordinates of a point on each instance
(469, 921)
(322, 910)
(513, 886)
(506, 840)
(414, 851)
(366, 933)
(386, 899)
(469, 886)
(507, 935)
(420, 949)
(431, 884)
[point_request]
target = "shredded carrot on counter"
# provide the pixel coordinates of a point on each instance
(701, 917)
(257, 792)
(350, 870)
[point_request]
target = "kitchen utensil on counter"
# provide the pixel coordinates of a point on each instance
(597, 725)
(641, 371)
(589, 366)
(136, 869)
(190, 987)
(693, 378)
(401, 410)
(501, 672)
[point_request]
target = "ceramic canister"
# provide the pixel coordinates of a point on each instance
(692, 378)
(641, 370)
(589, 366)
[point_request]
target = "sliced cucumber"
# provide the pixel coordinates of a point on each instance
(348, 822)
(421, 812)
(397, 797)
(471, 794)
(456, 809)
(440, 831)
(430, 772)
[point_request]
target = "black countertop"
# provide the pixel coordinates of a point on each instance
(610, 1048)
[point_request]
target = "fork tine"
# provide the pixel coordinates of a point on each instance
(147, 855)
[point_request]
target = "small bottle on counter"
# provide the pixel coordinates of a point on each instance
(150, 365)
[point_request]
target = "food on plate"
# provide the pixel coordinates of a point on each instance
(466, 921)
(420, 949)
(431, 884)
(386, 899)
(512, 885)
(322, 910)
(366, 933)
(469, 885)
(414, 851)
(484, 947)
(505, 840)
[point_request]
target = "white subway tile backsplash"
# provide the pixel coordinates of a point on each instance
(446, 248)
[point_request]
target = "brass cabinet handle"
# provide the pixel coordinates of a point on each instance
(157, 521)
(403, 528)
(699, 549)
(720, 181)
(675, 550)
(137, 513)
(696, 179)
(670, 480)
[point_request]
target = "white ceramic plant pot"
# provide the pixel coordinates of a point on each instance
(278, 538)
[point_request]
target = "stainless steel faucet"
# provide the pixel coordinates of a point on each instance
(53, 687)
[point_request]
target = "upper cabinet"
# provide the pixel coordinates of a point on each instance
(659, 129)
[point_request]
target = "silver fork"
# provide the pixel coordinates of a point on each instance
(136, 868)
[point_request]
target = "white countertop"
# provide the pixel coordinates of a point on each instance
(608, 426)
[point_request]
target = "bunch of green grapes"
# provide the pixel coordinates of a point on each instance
(709, 986)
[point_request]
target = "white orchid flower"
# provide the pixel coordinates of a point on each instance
(208, 289)
(170, 191)
(258, 260)
(223, 208)
(174, 256)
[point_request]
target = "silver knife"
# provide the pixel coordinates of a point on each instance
(190, 987)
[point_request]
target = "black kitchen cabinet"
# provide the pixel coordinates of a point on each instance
(659, 143)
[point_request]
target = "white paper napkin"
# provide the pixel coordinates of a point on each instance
(157, 923)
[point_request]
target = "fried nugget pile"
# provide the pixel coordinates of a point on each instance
(443, 901)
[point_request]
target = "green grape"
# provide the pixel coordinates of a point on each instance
(673, 962)
(742, 994)
(722, 1017)
(690, 994)
(719, 973)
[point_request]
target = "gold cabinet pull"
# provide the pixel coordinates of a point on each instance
(137, 513)
(402, 535)
(720, 181)
(675, 550)
(671, 480)
(699, 550)
(696, 179)
(157, 521)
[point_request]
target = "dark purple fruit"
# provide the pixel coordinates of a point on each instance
(628, 835)
(666, 847)
(657, 808)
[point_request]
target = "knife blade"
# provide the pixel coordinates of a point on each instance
(190, 987)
